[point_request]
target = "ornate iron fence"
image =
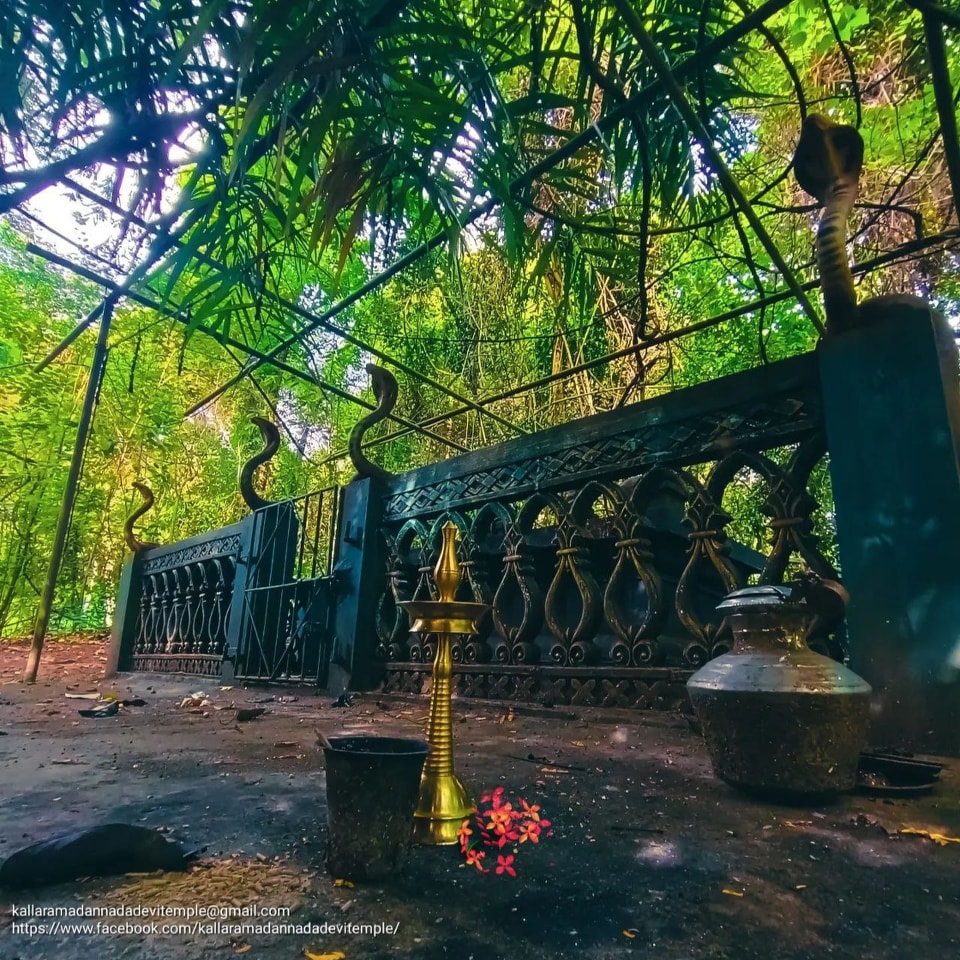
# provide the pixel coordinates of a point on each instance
(602, 545)
(185, 598)
(288, 598)
(251, 601)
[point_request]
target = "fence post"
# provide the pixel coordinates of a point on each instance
(892, 411)
(359, 570)
(237, 622)
(126, 616)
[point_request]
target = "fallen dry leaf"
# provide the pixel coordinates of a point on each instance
(732, 893)
(336, 955)
(939, 838)
(245, 714)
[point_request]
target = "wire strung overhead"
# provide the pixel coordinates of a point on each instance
(642, 159)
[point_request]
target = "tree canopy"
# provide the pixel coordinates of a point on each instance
(244, 168)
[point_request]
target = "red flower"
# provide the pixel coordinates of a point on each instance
(509, 837)
(530, 831)
(494, 797)
(533, 812)
(497, 822)
(500, 819)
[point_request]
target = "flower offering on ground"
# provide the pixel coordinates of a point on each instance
(497, 822)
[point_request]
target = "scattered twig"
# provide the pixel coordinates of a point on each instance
(530, 758)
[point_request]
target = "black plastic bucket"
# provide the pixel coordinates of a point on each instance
(372, 789)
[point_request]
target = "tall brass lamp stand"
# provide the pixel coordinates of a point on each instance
(444, 802)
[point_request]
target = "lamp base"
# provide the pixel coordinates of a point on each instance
(443, 806)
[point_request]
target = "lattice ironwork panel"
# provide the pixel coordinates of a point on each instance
(171, 663)
(606, 544)
(756, 409)
(652, 689)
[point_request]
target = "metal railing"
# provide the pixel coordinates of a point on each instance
(287, 608)
(258, 593)
(185, 593)
(603, 546)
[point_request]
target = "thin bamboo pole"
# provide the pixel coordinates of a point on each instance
(90, 399)
(943, 94)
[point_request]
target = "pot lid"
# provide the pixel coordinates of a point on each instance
(763, 597)
(826, 598)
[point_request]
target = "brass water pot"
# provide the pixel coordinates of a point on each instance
(776, 716)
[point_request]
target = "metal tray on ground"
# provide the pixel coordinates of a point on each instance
(893, 775)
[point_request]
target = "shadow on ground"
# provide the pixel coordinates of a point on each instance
(651, 856)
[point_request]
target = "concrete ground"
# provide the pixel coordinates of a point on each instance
(651, 855)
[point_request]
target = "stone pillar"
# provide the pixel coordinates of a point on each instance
(238, 622)
(892, 410)
(123, 633)
(359, 581)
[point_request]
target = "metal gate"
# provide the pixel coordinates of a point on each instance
(288, 595)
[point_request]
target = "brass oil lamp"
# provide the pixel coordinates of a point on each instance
(444, 802)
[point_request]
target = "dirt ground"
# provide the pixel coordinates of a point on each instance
(651, 855)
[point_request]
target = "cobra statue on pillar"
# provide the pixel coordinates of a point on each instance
(271, 444)
(827, 164)
(135, 544)
(385, 390)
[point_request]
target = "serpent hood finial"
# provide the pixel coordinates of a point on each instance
(385, 390)
(827, 164)
(271, 444)
(133, 542)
